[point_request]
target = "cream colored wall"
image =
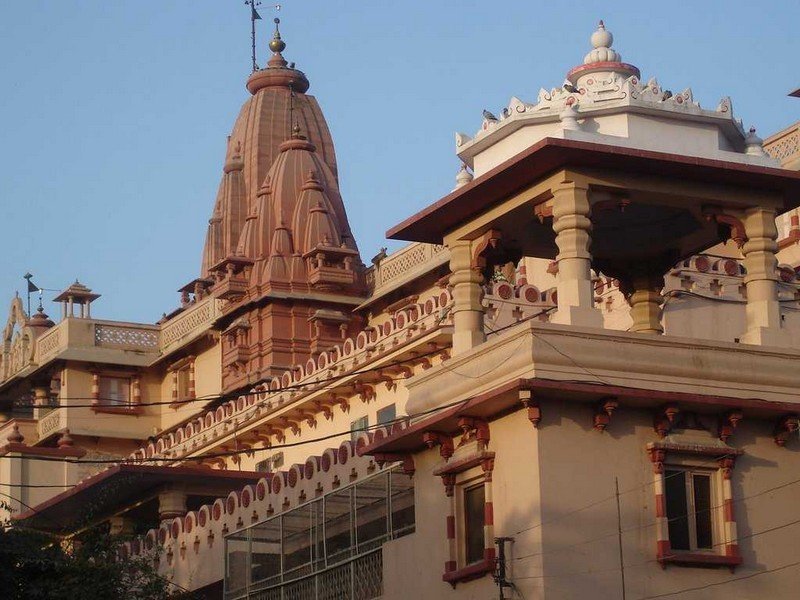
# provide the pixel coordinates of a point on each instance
(82, 420)
(413, 566)
(207, 384)
(578, 467)
(512, 145)
(548, 475)
(675, 136)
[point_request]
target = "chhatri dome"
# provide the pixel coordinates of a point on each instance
(604, 100)
(278, 104)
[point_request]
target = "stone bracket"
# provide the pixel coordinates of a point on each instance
(444, 441)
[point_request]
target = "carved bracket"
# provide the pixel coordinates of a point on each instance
(444, 441)
(309, 417)
(728, 423)
(665, 419)
(489, 251)
(407, 461)
(543, 210)
(479, 426)
(289, 424)
(602, 414)
(341, 401)
(534, 410)
(735, 225)
(785, 427)
(325, 409)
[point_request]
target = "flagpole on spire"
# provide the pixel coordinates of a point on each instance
(254, 16)
(31, 287)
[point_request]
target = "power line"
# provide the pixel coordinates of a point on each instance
(727, 581)
(654, 523)
(655, 560)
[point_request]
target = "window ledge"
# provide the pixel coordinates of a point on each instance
(118, 410)
(470, 572)
(699, 559)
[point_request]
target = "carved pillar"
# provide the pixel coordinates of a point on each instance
(646, 302)
(121, 525)
(574, 286)
(171, 504)
(95, 388)
(41, 396)
(467, 299)
(191, 380)
(136, 390)
(762, 310)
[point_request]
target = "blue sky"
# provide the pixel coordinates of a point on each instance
(114, 114)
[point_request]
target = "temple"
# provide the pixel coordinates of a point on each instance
(580, 367)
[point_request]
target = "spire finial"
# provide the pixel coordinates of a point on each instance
(277, 45)
(602, 38)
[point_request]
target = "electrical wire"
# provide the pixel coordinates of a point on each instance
(670, 520)
(652, 560)
(718, 583)
(601, 501)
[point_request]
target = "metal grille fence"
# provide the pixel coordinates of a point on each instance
(329, 548)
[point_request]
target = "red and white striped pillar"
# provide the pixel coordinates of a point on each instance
(95, 388)
(175, 386)
(136, 391)
(731, 535)
(449, 481)
(488, 510)
(191, 380)
(663, 547)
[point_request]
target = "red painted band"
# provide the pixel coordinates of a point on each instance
(451, 527)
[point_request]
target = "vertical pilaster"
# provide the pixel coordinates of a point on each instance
(467, 299)
(730, 532)
(95, 388)
(449, 482)
(761, 281)
(574, 286)
(663, 547)
(136, 390)
(175, 385)
(488, 511)
(191, 380)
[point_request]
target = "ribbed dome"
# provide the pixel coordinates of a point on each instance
(230, 210)
(265, 121)
(302, 209)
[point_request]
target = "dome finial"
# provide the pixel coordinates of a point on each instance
(277, 45)
(602, 38)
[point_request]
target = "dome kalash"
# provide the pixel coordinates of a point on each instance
(605, 99)
(278, 233)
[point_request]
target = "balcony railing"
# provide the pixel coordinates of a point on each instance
(189, 324)
(328, 548)
(405, 264)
